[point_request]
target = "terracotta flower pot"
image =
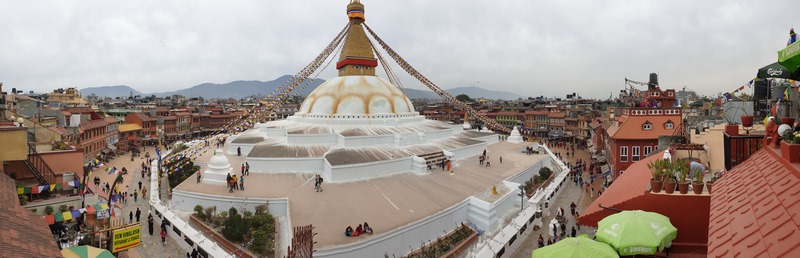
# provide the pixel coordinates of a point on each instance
(683, 187)
(697, 188)
(709, 186)
(655, 186)
(787, 120)
(747, 121)
(732, 129)
(790, 152)
(669, 187)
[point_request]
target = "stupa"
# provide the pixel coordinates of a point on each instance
(356, 126)
(218, 169)
(515, 136)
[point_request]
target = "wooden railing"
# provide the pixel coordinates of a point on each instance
(739, 148)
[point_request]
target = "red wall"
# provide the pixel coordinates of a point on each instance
(621, 166)
(688, 213)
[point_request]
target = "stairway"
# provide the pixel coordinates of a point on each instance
(433, 159)
(38, 167)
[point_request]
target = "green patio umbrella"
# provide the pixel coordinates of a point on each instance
(636, 232)
(580, 246)
(86, 251)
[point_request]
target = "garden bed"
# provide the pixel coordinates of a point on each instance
(449, 245)
(246, 233)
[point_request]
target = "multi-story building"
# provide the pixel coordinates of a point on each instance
(149, 133)
(509, 119)
(634, 134)
(556, 125)
(65, 97)
(536, 123)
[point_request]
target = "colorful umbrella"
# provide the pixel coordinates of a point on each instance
(580, 246)
(86, 251)
(636, 232)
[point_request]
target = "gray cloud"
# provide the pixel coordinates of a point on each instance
(528, 47)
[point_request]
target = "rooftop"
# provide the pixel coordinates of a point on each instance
(755, 209)
(22, 233)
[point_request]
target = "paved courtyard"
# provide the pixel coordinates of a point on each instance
(385, 203)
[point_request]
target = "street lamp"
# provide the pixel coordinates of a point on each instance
(521, 197)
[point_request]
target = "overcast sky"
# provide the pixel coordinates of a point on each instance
(528, 47)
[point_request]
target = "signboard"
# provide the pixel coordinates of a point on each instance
(126, 238)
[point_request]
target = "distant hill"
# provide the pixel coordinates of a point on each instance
(109, 91)
(478, 92)
(240, 89)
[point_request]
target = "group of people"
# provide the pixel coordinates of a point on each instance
(318, 183)
(234, 182)
(360, 230)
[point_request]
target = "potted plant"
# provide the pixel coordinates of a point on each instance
(790, 146)
(697, 181)
(732, 128)
(683, 174)
(669, 177)
(787, 120)
(657, 181)
(710, 183)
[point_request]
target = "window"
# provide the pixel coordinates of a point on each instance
(647, 126)
(668, 125)
(623, 154)
(647, 150)
(635, 153)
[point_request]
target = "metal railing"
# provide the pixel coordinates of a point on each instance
(740, 147)
(38, 166)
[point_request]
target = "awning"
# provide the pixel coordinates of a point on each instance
(776, 70)
(106, 151)
(790, 56)
(112, 147)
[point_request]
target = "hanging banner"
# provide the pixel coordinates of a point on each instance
(126, 238)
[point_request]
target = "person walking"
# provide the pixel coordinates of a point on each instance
(130, 217)
(241, 183)
(319, 182)
(140, 185)
(150, 223)
(138, 214)
(198, 177)
(163, 237)
(501, 159)
(239, 151)
(144, 193)
(135, 196)
(247, 168)
(242, 168)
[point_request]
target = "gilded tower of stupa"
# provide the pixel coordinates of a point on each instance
(357, 57)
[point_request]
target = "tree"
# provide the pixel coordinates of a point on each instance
(463, 98)
(235, 226)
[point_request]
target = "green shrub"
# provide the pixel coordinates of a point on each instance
(198, 212)
(544, 173)
(235, 226)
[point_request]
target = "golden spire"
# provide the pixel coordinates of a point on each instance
(357, 57)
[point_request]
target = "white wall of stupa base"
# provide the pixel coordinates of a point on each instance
(348, 172)
(515, 136)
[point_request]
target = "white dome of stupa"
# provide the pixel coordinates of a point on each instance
(218, 169)
(219, 161)
(356, 96)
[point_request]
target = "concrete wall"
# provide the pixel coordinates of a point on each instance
(361, 171)
(396, 243)
(355, 141)
(284, 165)
(185, 201)
(469, 151)
(14, 142)
(246, 148)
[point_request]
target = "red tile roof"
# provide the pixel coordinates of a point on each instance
(536, 112)
(755, 209)
(595, 124)
(630, 127)
(22, 233)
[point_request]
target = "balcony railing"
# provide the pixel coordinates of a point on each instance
(740, 147)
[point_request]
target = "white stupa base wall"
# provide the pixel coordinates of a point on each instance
(216, 177)
(246, 148)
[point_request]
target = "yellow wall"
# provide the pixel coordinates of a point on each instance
(14, 142)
